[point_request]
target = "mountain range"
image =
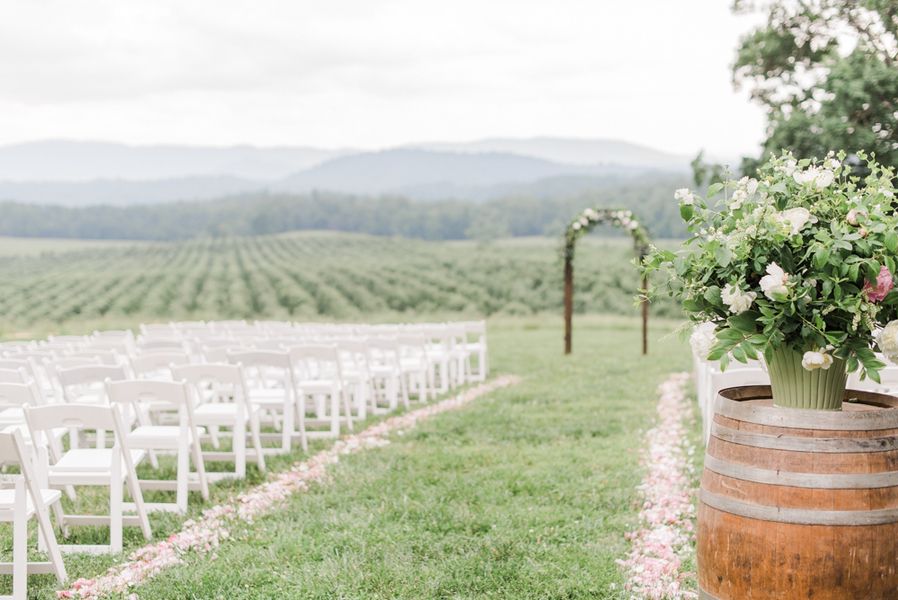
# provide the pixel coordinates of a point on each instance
(72, 173)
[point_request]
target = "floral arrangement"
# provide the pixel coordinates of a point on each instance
(802, 257)
(590, 217)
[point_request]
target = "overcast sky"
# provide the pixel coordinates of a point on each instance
(373, 73)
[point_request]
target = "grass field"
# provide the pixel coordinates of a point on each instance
(67, 287)
(17, 246)
(525, 494)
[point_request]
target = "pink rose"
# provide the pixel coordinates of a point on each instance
(884, 284)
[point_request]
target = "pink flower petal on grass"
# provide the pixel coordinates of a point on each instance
(665, 530)
(204, 535)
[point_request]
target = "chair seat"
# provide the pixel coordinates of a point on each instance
(219, 413)
(57, 433)
(93, 460)
(382, 370)
(271, 398)
(413, 364)
(8, 499)
(148, 434)
(318, 386)
(12, 415)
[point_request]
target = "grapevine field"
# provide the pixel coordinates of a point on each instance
(50, 287)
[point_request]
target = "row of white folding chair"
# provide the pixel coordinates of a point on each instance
(28, 497)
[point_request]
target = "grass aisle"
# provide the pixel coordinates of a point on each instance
(527, 493)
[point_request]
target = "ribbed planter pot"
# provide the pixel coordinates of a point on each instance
(796, 387)
(799, 503)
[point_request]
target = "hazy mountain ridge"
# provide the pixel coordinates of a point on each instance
(96, 173)
(63, 160)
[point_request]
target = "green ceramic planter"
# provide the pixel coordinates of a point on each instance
(796, 387)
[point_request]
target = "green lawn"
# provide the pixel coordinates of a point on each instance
(526, 493)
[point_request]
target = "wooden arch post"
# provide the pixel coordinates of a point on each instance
(582, 225)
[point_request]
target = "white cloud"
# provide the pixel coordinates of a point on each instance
(373, 72)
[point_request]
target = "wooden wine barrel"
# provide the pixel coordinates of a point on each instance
(798, 503)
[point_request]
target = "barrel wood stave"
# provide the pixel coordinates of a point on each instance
(800, 504)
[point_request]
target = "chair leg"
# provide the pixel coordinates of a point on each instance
(115, 504)
(213, 436)
(196, 452)
(59, 516)
(137, 496)
(335, 414)
(290, 426)
(346, 408)
(45, 533)
(403, 390)
(181, 475)
(256, 429)
(20, 543)
(238, 445)
(257, 440)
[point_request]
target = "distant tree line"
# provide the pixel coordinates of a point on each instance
(255, 214)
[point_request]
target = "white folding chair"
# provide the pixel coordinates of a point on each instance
(356, 374)
(220, 395)
(271, 386)
(477, 348)
(157, 365)
(13, 398)
(85, 385)
(28, 498)
(389, 382)
(101, 467)
(317, 375)
(418, 370)
(183, 439)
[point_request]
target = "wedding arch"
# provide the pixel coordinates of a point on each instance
(580, 226)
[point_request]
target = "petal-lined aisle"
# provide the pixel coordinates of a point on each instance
(204, 535)
(665, 532)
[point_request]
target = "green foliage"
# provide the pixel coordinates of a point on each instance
(258, 214)
(801, 257)
(827, 73)
(591, 218)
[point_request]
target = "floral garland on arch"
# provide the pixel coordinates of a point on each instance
(580, 226)
(583, 223)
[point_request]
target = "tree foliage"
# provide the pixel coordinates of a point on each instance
(827, 73)
(255, 214)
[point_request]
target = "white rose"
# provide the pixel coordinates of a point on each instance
(832, 163)
(749, 184)
(789, 166)
(888, 341)
(633, 225)
(685, 196)
(736, 200)
(576, 225)
(796, 217)
(816, 359)
(805, 177)
(737, 300)
(824, 179)
(584, 221)
(703, 339)
(852, 216)
(774, 283)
